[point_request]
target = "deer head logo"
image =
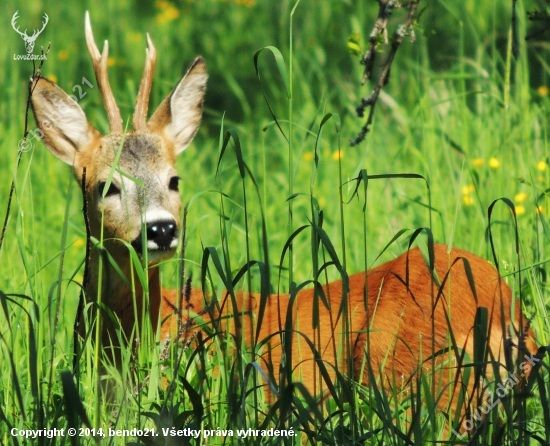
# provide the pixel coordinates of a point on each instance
(29, 40)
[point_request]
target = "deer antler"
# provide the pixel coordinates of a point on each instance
(13, 20)
(100, 69)
(142, 102)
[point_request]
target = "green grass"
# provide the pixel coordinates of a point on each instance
(458, 111)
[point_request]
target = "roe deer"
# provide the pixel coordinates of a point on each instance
(401, 312)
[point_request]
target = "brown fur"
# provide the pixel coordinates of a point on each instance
(400, 319)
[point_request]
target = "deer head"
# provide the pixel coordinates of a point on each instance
(29, 40)
(131, 183)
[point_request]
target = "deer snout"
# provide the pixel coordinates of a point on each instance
(162, 234)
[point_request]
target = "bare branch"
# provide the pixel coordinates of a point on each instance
(24, 142)
(384, 12)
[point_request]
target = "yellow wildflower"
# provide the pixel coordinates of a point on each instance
(521, 197)
(79, 242)
(543, 90)
(63, 55)
(478, 162)
(520, 210)
(468, 201)
(308, 156)
(52, 77)
(542, 166)
(168, 12)
(338, 155)
(494, 163)
(465, 190)
(540, 210)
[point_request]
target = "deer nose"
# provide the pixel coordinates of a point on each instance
(162, 233)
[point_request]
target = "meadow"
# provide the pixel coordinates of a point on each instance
(462, 125)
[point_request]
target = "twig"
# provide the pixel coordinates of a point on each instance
(385, 9)
(380, 28)
(32, 84)
(86, 279)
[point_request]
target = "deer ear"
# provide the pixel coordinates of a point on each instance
(63, 125)
(179, 115)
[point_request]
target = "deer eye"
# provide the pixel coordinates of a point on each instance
(113, 190)
(174, 184)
